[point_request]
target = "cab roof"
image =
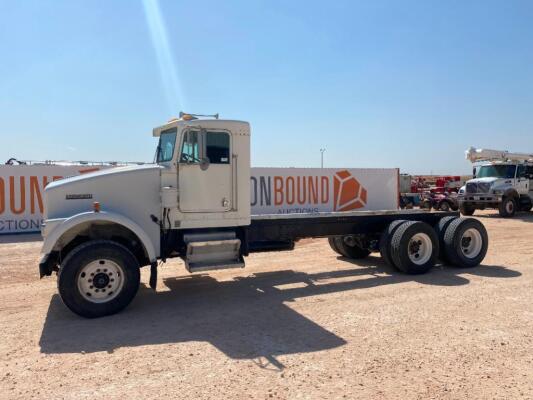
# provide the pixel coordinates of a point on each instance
(241, 128)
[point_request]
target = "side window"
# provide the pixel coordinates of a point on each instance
(529, 171)
(217, 147)
(165, 149)
(190, 151)
(521, 173)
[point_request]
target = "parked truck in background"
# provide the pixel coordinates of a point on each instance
(101, 228)
(502, 180)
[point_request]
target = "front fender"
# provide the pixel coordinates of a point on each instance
(510, 192)
(59, 226)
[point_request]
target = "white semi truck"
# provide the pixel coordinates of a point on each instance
(502, 180)
(194, 203)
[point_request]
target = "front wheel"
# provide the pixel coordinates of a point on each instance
(467, 210)
(507, 207)
(98, 278)
(426, 205)
(444, 206)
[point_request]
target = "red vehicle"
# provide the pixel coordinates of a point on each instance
(439, 201)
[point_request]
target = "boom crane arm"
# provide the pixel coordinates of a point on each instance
(473, 155)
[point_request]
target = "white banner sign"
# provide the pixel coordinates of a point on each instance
(311, 190)
(273, 191)
(21, 193)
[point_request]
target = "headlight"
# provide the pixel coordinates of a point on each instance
(496, 191)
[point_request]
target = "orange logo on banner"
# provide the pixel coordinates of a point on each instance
(349, 194)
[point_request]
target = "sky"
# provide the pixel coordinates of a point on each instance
(408, 84)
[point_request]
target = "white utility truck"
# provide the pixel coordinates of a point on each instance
(194, 203)
(502, 180)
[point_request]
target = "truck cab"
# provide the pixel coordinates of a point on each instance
(205, 172)
(502, 183)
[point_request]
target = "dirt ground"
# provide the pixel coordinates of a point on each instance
(300, 324)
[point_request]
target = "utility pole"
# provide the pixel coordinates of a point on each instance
(322, 157)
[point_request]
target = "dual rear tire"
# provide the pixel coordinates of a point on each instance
(413, 247)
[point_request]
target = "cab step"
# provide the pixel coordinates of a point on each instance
(206, 252)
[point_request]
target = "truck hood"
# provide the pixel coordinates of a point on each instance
(108, 172)
(485, 185)
(130, 189)
(489, 180)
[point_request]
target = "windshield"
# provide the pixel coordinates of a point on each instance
(165, 149)
(496, 171)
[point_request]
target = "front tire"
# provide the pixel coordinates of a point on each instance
(507, 207)
(426, 205)
(467, 210)
(444, 206)
(98, 278)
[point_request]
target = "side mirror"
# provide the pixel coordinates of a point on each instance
(204, 163)
(474, 172)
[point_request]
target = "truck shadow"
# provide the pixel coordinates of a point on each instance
(245, 318)
(522, 216)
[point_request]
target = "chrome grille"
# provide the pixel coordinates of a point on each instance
(477, 187)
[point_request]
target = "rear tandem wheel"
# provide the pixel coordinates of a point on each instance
(339, 245)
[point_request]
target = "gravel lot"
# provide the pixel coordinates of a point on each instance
(300, 324)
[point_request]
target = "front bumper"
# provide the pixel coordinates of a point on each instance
(50, 259)
(479, 198)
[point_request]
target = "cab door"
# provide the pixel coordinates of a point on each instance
(529, 177)
(205, 172)
(522, 180)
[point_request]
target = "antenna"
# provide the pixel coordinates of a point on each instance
(184, 115)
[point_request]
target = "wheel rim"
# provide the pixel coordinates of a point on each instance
(100, 281)
(420, 249)
(471, 243)
(509, 207)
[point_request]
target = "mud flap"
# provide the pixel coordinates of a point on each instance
(48, 264)
(153, 275)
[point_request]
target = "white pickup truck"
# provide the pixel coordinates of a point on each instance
(101, 228)
(502, 180)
